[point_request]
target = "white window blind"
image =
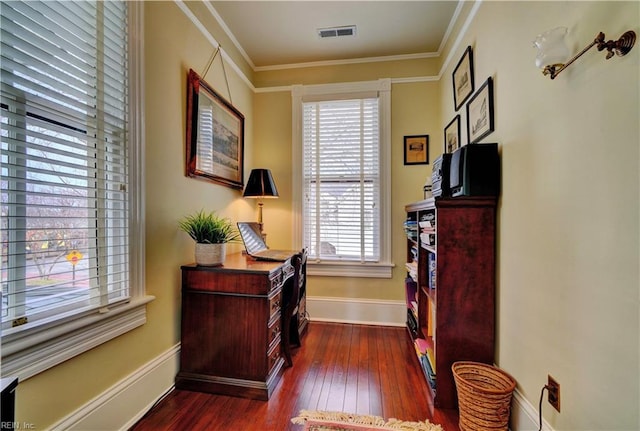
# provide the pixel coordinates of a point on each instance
(341, 179)
(65, 174)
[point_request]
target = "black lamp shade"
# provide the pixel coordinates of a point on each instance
(260, 185)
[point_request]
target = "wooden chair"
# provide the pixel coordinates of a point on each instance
(292, 292)
(294, 329)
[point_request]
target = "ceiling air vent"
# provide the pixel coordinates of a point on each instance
(349, 30)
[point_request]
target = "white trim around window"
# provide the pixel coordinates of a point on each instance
(34, 349)
(302, 93)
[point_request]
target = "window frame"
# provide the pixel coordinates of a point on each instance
(302, 93)
(38, 347)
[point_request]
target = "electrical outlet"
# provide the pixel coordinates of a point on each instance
(553, 389)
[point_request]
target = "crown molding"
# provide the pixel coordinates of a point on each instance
(246, 80)
(214, 43)
(348, 61)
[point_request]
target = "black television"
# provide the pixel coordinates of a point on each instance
(475, 171)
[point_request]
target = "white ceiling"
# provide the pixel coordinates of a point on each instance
(284, 33)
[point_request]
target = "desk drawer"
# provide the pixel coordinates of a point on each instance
(275, 304)
(274, 354)
(278, 278)
(206, 281)
(274, 330)
(216, 280)
(275, 281)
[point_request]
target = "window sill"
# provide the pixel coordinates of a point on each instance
(29, 352)
(350, 269)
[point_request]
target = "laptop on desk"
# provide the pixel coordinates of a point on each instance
(256, 247)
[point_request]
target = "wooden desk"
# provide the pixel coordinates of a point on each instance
(231, 326)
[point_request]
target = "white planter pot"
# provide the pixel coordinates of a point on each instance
(210, 254)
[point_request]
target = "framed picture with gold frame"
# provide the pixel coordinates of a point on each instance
(416, 150)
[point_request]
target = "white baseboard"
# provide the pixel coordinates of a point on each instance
(121, 406)
(357, 311)
(524, 416)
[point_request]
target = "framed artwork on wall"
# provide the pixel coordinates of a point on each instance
(452, 135)
(480, 113)
(416, 150)
(462, 78)
(215, 136)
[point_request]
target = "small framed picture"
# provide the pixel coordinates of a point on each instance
(416, 150)
(462, 78)
(480, 113)
(452, 135)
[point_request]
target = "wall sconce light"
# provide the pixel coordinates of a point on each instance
(553, 52)
(259, 186)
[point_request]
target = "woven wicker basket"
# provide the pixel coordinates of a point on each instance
(484, 396)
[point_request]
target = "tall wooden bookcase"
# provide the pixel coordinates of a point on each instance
(451, 286)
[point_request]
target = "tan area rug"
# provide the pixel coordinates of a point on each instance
(340, 421)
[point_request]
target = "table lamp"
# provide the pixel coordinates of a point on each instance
(259, 186)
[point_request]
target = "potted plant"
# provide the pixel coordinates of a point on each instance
(211, 234)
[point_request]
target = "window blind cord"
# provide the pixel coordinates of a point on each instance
(540, 406)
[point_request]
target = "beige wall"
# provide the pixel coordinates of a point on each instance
(568, 254)
(568, 249)
(272, 114)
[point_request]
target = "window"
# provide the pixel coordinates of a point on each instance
(341, 155)
(70, 199)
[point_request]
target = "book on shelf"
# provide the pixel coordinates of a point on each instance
(431, 319)
(411, 290)
(425, 348)
(413, 265)
(428, 238)
(412, 323)
(414, 252)
(428, 372)
(426, 359)
(411, 229)
(428, 217)
(431, 270)
(421, 345)
(427, 224)
(412, 270)
(411, 224)
(432, 359)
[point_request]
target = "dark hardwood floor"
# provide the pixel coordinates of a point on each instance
(370, 370)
